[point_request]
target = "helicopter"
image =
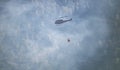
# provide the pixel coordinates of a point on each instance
(61, 21)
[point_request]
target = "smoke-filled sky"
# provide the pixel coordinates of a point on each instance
(30, 39)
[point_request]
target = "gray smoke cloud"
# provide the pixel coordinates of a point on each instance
(29, 39)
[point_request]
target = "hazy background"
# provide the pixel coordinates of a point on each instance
(30, 40)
